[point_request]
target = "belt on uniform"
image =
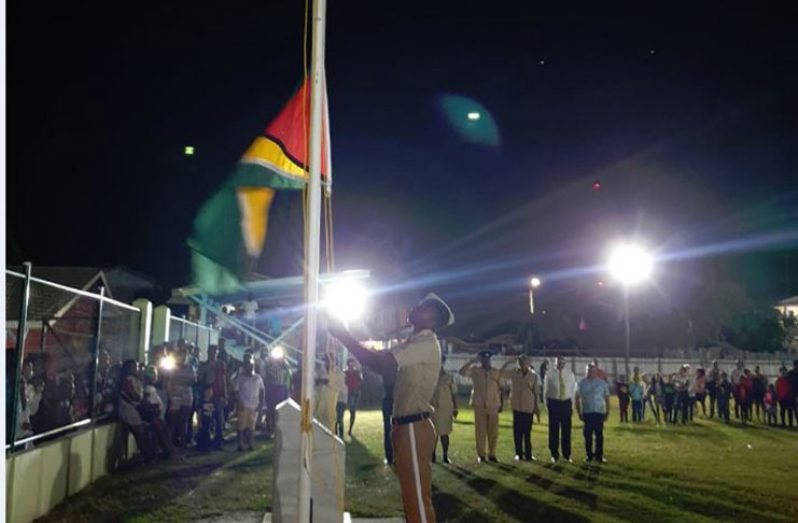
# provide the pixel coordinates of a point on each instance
(412, 418)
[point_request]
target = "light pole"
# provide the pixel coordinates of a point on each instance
(629, 264)
(534, 283)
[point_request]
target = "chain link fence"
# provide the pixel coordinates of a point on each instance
(64, 372)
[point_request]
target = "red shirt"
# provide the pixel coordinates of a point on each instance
(783, 391)
(353, 380)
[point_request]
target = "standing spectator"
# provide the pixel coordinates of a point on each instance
(560, 386)
(329, 381)
(742, 396)
(792, 378)
(723, 393)
(681, 382)
(354, 381)
(600, 374)
(668, 398)
(192, 361)
(151, 408)
(759, 384)
(769, 403)
(735, 377)
(250, 315)
(636, 393)
(250, 396)
(712, 381)
(593, 408)
(445, 402)
(700, 387)
(544, 367)
(654, 395)
(130, 397)
(342, 400)
(213, 376)
(524, 401)
(181, 397)
(486, 399)
(47, 417)
(276, 378)
(786, 398)
(622, 391)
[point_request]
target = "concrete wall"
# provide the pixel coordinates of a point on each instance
(39, 479)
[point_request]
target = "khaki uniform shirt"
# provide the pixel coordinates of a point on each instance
(524, 396)
(487, 390)
(419, 361)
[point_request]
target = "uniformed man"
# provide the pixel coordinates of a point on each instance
(524, 400)
(486, 400)
(415, 365)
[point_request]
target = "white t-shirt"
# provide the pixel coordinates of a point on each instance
(250, 308)
(248, 390)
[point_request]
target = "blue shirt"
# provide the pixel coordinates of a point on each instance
(592, 393)
(636, 391)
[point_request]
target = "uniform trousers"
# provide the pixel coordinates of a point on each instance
(413, 444)
(486, 426)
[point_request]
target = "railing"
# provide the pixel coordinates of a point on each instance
(64, 350)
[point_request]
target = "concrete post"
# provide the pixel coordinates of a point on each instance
(145, 327)
(160, 324)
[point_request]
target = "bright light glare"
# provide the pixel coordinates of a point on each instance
(167, 362)
(277, 352)
(535, 282)
(188, 150)
(473, 116)
(346, 300)
(630, 264)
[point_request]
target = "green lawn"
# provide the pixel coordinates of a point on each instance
(706, 471)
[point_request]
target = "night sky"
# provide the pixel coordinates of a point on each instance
(686, 116)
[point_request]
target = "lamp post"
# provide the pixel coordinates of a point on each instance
(629, 264)
(534, 283)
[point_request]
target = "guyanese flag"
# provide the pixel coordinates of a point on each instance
(230, 229)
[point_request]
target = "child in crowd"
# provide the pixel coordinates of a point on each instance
(742, 398)
(622, 390)
(206, 420)
(723, 392)
(769, 402)
(249, 397)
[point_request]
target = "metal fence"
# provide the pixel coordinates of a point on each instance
(64, 350)
(200, 335)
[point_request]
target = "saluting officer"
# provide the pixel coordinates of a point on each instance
(416, 365)
(486, 400)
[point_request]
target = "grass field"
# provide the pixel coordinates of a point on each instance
(701, 472)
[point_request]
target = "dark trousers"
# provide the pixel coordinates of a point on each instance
(340, 408)
(712, 395)
(522, 433)
(683, 400)
(387, 414)
(723, 409)
(560, 413)
(219, 419)
(594, 425)
(637, 410)
(786, 411)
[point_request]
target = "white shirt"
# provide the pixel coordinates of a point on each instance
(250, 308)
(248, 389)
(551, 384)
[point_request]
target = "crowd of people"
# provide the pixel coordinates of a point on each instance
(670, 398)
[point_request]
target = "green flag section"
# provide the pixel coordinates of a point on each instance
(230, 230)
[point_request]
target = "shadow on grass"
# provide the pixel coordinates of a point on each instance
(513, 503)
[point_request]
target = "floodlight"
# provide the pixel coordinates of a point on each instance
(630, 264)
(535, 282)
(346, 300)
(167, 362)
(474, 116)
(277, 352)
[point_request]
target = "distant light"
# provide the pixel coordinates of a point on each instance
(600, 283)
(167, 362)
(277, 352)
(651, 51)
(630, 263)
(188, 150)
(596, 186)
(535, 282)
(346, 300)
(474, 116)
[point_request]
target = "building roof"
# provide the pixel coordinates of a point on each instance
(788, 301)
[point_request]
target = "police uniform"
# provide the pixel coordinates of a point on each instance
(443, 417)
(413, 434)
(486, 400)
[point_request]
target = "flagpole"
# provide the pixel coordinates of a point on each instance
(312, 270)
